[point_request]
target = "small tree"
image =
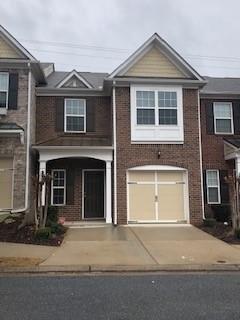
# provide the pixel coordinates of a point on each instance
(40, 211)
(234, 185)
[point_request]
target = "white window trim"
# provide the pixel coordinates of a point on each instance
(73, 115)
(58, 187)
(7, 91)
(170, 133)
(223, 118)
(216, 186)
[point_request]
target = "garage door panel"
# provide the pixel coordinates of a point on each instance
(170, 202)
(169, 176)
(142, 202)
(141, 176)
(6, 173)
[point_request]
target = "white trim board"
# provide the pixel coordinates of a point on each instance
(78, 76)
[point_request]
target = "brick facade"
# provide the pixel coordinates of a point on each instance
(11, 146)
(213, 150)
(186, 155)
(46, 119)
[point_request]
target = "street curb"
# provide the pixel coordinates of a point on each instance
(119, 268)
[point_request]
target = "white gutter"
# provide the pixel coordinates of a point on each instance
(28, 127)
(114, 156)
(200, 154)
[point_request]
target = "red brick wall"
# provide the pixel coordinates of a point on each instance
(213, 150)
(186, 155)
(46, 118)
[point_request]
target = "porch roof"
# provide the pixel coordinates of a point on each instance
(72, 140)
(231, 148)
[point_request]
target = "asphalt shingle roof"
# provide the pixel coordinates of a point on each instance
(94, 78)
(9, 126)
(222, 85)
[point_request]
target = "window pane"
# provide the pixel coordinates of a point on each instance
(222, 110)
(213, 195)
(75, 107)
(167, 99)
(145, 99)
(223, 126)
(58, 178)
(75, 123)
(3, 81)
(58, 196)
(145, 116)
(212, 178)
(3, 99)
(168, 116)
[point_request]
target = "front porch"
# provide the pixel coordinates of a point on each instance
(81, 187)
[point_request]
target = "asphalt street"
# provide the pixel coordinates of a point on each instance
(166, 296)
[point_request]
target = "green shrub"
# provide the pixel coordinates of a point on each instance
(237, 233)
(43, 233)
(209, 222)
(56, 228)
(52, 214)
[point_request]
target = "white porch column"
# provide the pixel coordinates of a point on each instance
(108, 191)
(237, 166)
(42, 170)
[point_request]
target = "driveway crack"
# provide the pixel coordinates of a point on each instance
(143, 245)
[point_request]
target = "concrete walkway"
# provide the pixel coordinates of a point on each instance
(18, 250)
(142, 246)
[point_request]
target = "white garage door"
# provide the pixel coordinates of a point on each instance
(6, 178)
(156, 196)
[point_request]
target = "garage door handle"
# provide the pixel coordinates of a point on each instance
(156, 198)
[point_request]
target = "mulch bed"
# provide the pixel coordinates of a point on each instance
(9, 232)
(222, 232)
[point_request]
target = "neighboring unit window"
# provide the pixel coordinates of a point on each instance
(4, 80)
(58, 187)
(223, 117)
(156, 107)
(145, 107)
(213, 186)
(75, 115)
(167, 104)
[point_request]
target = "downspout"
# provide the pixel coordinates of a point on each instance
(114, 156)
(200, 154)
(28, 144)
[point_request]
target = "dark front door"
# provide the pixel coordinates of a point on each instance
(93, 194)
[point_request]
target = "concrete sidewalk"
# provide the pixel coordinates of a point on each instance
(20, 250)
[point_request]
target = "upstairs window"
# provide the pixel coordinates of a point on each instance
(167, 104)
(223, 117)
(75, 115)
(145, 107)
(4, 80)
(156, 107)
(213, 186)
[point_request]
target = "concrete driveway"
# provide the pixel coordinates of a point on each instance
(141, 246)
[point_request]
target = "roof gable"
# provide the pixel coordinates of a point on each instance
(10, 48)
(155, 64)
(156, 58)
(74, 80)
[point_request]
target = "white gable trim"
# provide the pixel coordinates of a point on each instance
(70, 75)
(169, 52)
(15, 44)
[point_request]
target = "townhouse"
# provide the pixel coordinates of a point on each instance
(150, 142)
